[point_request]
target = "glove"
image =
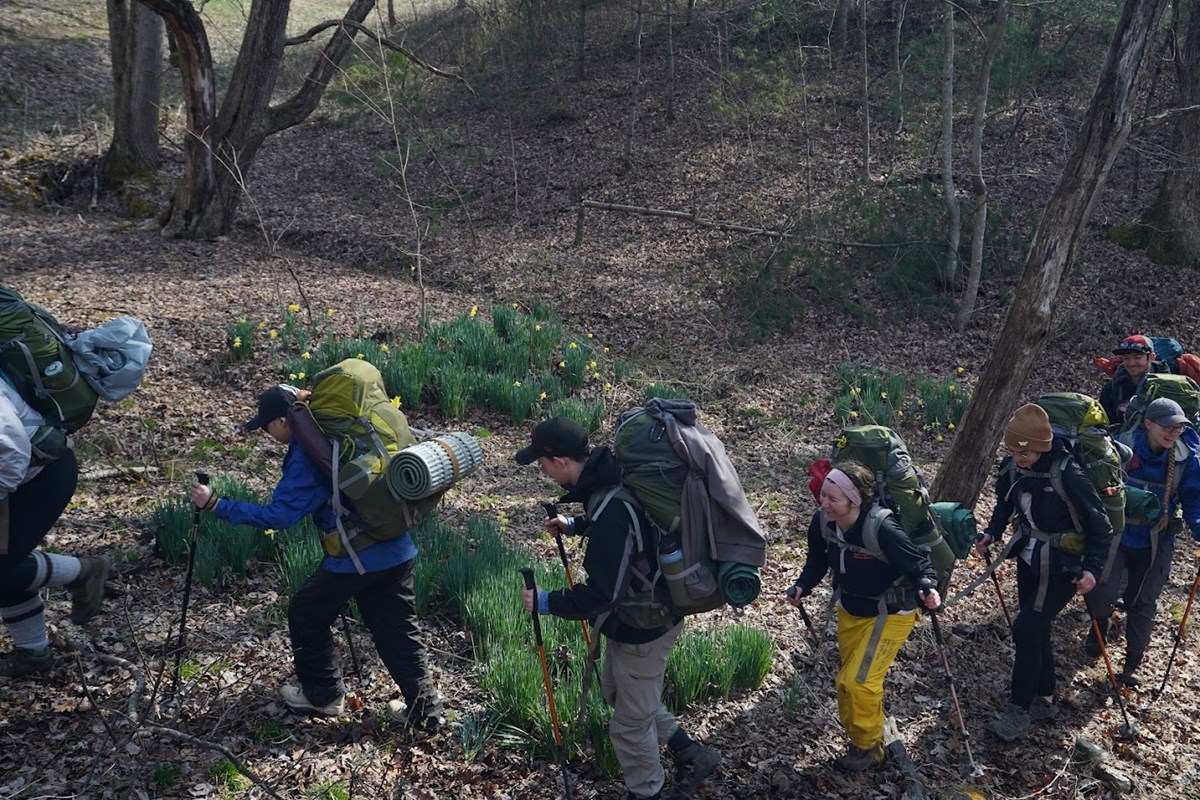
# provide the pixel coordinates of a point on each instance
(799, 590)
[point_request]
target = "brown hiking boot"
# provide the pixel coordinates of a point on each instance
(87, 590)
(21, 662)
(857, 759)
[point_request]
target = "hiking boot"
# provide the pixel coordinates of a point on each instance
(1127, 676)
(1090, 645)
(22, 662)
(427, 719)
(298, 703)
(693, 764)
(87, 590)
(1012, 725)
(857, 759)
(1042, 710)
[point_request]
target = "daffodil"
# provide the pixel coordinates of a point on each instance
(574, 346)
(537, 327)
(269, 532)
(590, 336)
(606, 349)
(950, 425)
(592, 365)
(595, 376)
(291, 376)
(516, 383)
(883, 395)
(300, 375)
(383, 347)
(329, 312)
(961, 370)
(396, 401)
(514, 305)
(939, 437)
(853, 415)
(294, 308)
(474, 311)
(607, 386)
(262, 326)
(237, 342)
(360, 356)
(562, 365)
(542, 396)
(306, 355)
(273, 333)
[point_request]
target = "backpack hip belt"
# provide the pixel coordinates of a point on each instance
(1050, 540)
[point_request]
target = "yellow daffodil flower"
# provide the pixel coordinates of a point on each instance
(294, 308)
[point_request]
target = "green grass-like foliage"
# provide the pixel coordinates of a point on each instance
(239, 337)
(872, 396)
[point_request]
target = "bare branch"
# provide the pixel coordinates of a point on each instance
(308, 35)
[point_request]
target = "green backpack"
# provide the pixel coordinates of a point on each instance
(35, 359)
(899, 488)
(351, 430)
(1180, 388)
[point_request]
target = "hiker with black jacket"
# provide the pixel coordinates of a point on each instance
(1055, 560)
(874, 617)
(32, 497)
(635, 658)
(384, 591)
(1137, 360)
(1164, 462)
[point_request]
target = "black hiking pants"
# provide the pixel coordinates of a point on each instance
(1033, 665)
(33, 509)
(387, 602)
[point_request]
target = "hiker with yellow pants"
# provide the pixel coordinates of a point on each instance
(880, 579)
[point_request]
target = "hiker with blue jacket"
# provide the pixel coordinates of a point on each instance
(33, 494)
(635, 656)
(1055, 559)
(1164, 462)
(384, 591)
(874, 616)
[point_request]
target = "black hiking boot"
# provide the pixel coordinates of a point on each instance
(1090, 645)
(87, 590)
(1127, 676)
(693, 764)
(858, 759)
(1010, 726)
(21, 662)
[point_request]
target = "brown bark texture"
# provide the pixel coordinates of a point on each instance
(136, 45)
(1027, 326)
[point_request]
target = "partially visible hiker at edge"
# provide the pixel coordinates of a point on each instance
(863, 584)
(1137, 359)
(384, 591)
(635, 659)
(1164, 462)
(1054, 559)
(32, 496)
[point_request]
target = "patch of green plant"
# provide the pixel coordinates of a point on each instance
(590, 416)
(868, 396)
(767, 296)
(327, 791)
(941, 402)
(476, 729)
(166, 775)
(227, 776)
(239, 338)
(663, 390)
(272, 733)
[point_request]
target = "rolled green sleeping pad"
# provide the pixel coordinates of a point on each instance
(958, 525)
(432, 466)
(740, 583)
(1141, 507)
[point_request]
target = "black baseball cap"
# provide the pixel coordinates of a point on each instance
(272, 404)
(560, 436)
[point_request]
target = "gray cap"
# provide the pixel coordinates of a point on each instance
(1166, 412)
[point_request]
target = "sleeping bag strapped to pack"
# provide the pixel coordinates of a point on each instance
(351, 430)
(899, 488)
(1080, 421)
(709, 540)
(1180, 388)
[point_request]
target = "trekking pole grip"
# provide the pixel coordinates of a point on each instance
(551, 510)
(530, 584)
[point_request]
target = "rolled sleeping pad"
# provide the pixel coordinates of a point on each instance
(433, 466)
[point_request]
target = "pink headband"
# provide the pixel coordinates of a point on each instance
(843, 482)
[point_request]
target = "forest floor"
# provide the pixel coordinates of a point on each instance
(326, 223)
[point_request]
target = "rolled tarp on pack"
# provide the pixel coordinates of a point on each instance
(1141, 507)
(740, 583)
(433, 466)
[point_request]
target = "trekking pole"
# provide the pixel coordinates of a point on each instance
(1127, 728)
(974, 770)
(1178, 635)
(201, 477)
(350, 644)
(551, 513)
(537, 636)
(999, 592)
(812, 631)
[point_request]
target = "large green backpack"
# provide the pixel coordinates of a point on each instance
(351, 430)
(710, 544)
(1082, 424)
(899, 488)
(35, 359)
(1180, 388)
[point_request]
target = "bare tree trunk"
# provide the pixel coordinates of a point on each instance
(637, 82)
(949, 191)
(391, 13)
(966, 306)
(135, 35)
(670, 61)
(1103, 133)
(901, 10)
(866, 98)
(580, 38)
(841, 32)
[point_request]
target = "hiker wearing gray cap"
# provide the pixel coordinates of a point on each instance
(1164, 462)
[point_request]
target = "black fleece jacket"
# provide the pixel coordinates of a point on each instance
(606, 555)
(1050, 514)
(863, 578)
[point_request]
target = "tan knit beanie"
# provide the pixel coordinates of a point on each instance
(1029, 429)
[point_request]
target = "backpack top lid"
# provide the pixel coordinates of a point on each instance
(351, 393)
(1072, 413)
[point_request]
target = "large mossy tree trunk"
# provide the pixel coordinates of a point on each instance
(1027, 325)
(135, 35)
(221, 146)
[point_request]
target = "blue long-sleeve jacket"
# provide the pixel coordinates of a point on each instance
(1148, 470)
(302, 491)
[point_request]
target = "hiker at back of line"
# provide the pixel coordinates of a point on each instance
(635, 658)
(1055, 560)
(1137, 360)
(32, 497)
(875, 613)
(384, 591)
(1164, 462)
